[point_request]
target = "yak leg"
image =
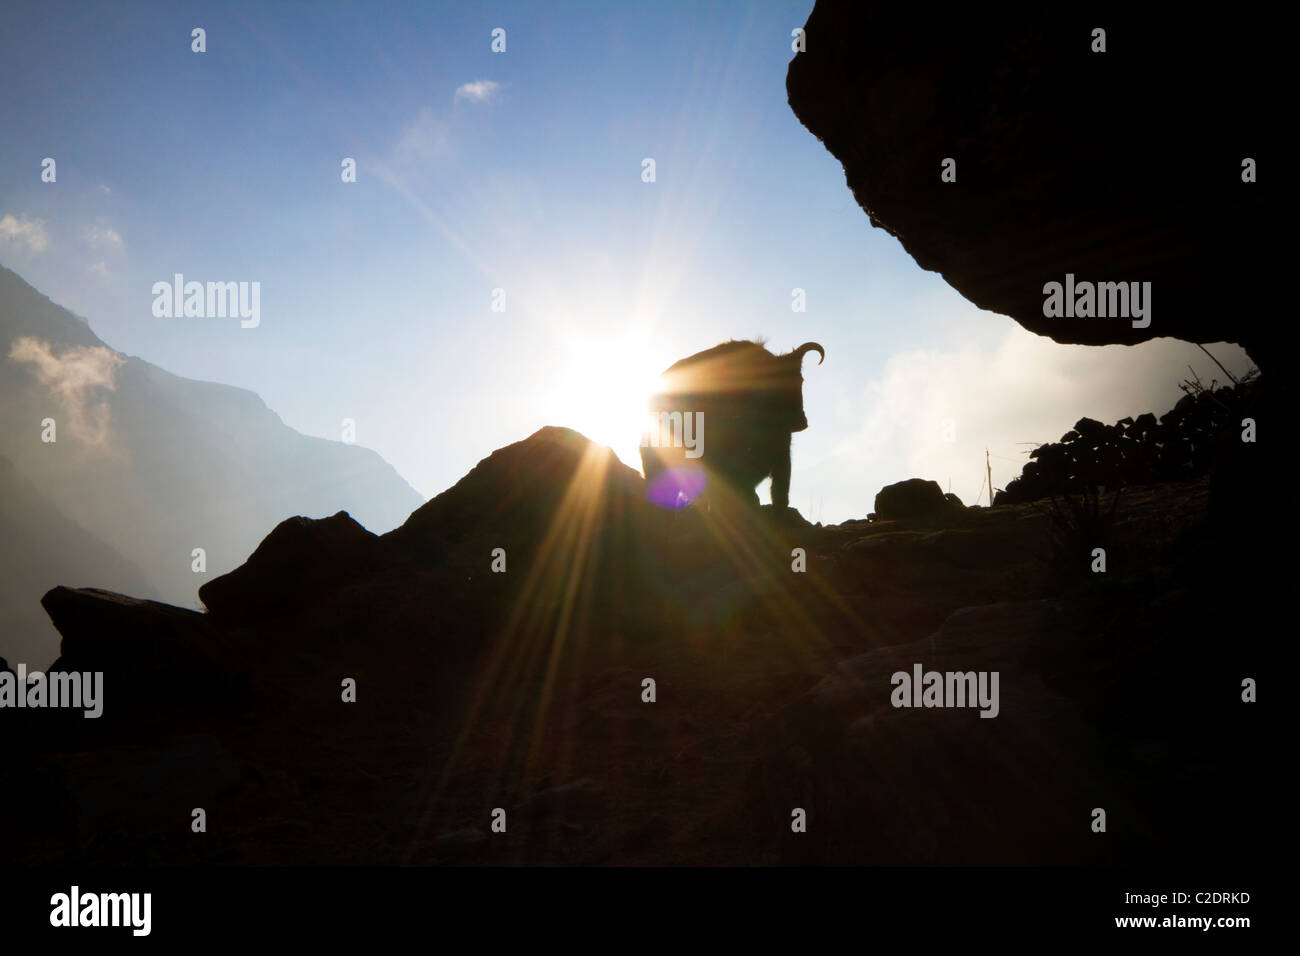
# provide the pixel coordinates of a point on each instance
(781, 479)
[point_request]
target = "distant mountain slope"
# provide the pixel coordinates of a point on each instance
(41, 545)
(183, 464)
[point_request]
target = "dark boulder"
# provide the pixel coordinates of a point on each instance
(1118, 166)
(159, 662)
(914, 499)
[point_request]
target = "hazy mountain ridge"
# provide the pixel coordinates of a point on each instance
(183, 464)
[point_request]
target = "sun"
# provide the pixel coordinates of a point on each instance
(600, 388)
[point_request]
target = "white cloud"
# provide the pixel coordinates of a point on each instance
(70, 377)
(1024, 390)
(103, 237)
(480, 91)
(100, 269)
(23, 231)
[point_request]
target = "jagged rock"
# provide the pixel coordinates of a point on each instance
(772, 688)
(298, 562)
(1048, 138)
(790, 519)
(512, 498)
(1184, 443)
(159, 661)
(1090, 430)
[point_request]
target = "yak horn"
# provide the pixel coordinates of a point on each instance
(807, 347)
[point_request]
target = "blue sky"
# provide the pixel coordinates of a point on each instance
(376, 295)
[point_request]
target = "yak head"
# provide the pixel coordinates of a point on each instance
(788, 385)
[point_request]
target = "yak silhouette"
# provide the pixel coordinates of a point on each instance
(725, 415)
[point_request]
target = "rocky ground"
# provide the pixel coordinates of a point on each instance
(523, 690)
